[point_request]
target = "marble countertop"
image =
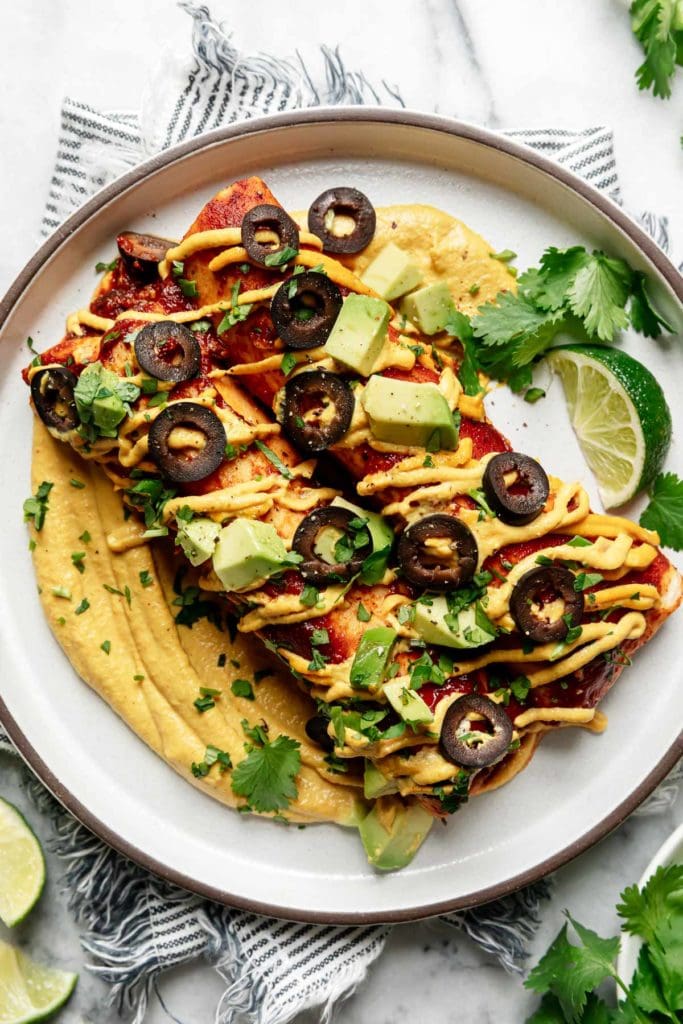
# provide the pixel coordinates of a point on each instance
(501, 63)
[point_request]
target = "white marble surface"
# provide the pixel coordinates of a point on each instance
(505, 64)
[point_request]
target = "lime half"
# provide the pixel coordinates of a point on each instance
(619, 414)
(30, 991)
(22, 866)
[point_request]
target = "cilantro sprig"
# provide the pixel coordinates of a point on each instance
(36, 507)
(589, 293)
(266, 777)
(658, 27)
(665, 511)
(567, 974)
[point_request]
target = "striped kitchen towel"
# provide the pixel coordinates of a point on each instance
(135, 925)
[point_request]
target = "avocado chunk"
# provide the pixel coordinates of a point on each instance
(407, 703)
(381, 534)
(370, 663)
(429, 308)
(393, 832)
(391, 273)
(358, 334)
(401, 412)
(470, 627)
(375, 783)
(247, 551)
(107, 413)
(198, 539)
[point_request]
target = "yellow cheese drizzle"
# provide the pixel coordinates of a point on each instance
(216, 238)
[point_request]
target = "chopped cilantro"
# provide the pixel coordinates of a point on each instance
(532, 395)
(237, 313)
(584, 580)
(85, 537)
(77, 483)
(105, 646)
(83, 607)
(362, 614)
(101, 268)
(36, 507)
(289, 361)
(242, 688)
(280, 256)
(78, 559)
(62, 592)
(309, 596)
(146, 579)
(520, 687)
(274, 459)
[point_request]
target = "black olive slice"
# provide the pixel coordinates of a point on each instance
(348, 202)
(472, 748)
(316, 730)
(175, 466)
(314, 568)
(142, 253)
(168, 351)
(269, 218)
(52, 391)
(522, 499)
(317, 410)
(427, 569)
(305, 308)
(539, 588)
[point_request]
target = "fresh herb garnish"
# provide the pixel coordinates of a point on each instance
(36, 507)
(602, 293)
(374, 566)
(567, 974)
(102, 399)
(83, 607)
(266, 777)
(274, 459)
(237, 313)
(289, 361)
(212, 755)
(78, 559)
(281, 256)
(146, 578)
(584, 580)
(101, 267)
(149, 496)
(106, 646)
(309, 596)
(665, 511)
(362, 614)
(78, 484)
(533, 394)
(242, 688)
(658, 27)
(520, 687)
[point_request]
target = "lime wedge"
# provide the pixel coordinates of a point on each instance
(619, 414)
(29, 991)
(22, 867)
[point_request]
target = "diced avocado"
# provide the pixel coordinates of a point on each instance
(381, 534)
(107, 413)
(401, 412)
(372, 657)
(198, 539)
(429, 308)
(391, 273)
(393, 832)
(247, 551)
(375, 783)
(469, 628)
(358, 334)
(407, 703)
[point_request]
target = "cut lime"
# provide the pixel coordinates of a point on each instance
(22, 867)
(619, 414)
(30, 991)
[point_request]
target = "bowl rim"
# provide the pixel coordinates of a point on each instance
(311, 117)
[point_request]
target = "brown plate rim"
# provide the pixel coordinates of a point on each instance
(312, 116)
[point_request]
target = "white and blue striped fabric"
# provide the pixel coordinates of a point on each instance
(134, 925)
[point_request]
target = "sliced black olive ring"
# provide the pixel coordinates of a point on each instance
(173, 465)
(52, 391)
(268, 218)
(522, 499)
(350, 203)
(314, 568)
(475, 748)
(317, 410)
(424, 567)
(158, 345)
(539, 588)
(142, 254)
(305, 308)
(316, 730)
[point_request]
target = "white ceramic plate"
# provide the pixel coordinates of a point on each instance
(578, 786)
(670, 852)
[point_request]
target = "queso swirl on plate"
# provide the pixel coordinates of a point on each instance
(297, 558)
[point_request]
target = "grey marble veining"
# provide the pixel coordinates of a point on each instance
(520, 64)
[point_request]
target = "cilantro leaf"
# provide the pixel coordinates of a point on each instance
(570, 972)
(510, 318)
(599, 294)
(274, 459)
(266, 777)
(559, 268)
(665, 511)
(643, 911)
(644, 317)
(36, 507)
(654, 24)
